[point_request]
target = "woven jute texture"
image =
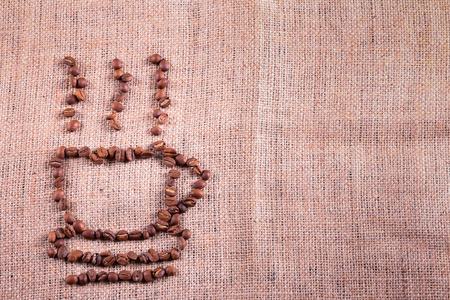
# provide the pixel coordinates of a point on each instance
(325, 125)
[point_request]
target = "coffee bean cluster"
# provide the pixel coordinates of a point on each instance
(78, 83)
(92, 276)
(161, 96)
(117, 106)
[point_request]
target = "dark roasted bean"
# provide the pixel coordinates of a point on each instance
(59, 182)
(173, 209)
(58, 172)
(143, 258)
(147, 154)
(68, 218)
(109, 235)
(135, 235)
(73, 82)
(95, 159)
(102, 276)
(164, 103)
(69, 231)
(161, 225)
(169, 152)
(58, 195)
(122, 235)
(74, 71)
(164, 215)
(84, 151)
(197, 193)
(83, 279)
(158, 272)
(164, 255)
(99, 234)
(71, 279)
(69, 112)
(174, 174)
(162, 83)
(123, 87)
(180, 159)
(169, 162)
(206, 174)
(108, 261)
(81, 83)
(191, 162)
(148, 276)
(138, 151)
(92, 275)
(120, 155)
(64, 204)
(70, 100)
(112, 152)
(122, 259)
(151, 230)
(159, 75)
(115, 124)
(181, 243)
(59, 243)
(106, 253)
(51, 237)
(137, 276)
(127, 77)
(117, 64)
(170, 191)
(119, 97)
(52, 252)
(125, 275)
(186, 234)
(171, 182)
(63, 252)
(74, 256)
(132, 255)
(72, 151)
(80, 95)
(130, 154)
(170, 270)
(56, 162)
(160, 94)
(164, 65)
(117, 106)
(59, 232)
(163, 119)
(159, 145)
(61, 152)
(113, 277)
(111, 116)
(102, 152)
(199, 184)
(145, 235)
(78, 225)
(175, 254)
(117, 74)
(156, 130)
(156, 113)
(175, 220)
(197, 170)
(88, 234)
(189, 201)
(174, 230)
(70, 61)
(86, 258)
(153, 256)
(155, 59)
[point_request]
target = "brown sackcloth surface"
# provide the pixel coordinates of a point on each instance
(325, 125)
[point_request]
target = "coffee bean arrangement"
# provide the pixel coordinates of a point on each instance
(161, 96)
(78, 83)
(167, 220)
(117, 106)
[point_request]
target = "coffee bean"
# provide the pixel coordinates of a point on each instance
(119, 97)
(155, 59)
(156, 130)
(132, 255)
(68, 218)
(59, 182)
(73, 125)
(135, 235)
(70, 61)
(151, 230)
(191, 162)
(122, 235)
(72, 151)
(171, 182)
(80, 95)
(95, 159)
(78, 226)
(206, 174)
(81, 83)
(115, 124)
(147, 154)
(116, 64)
(109, 235)
(170, 191)
(56, 162)
(180, 159)
(186, 234)
(102, 152)
(113, 277)
(117, 106)
(73, 81)
(161, 225)
(117, 74)
(63, 252)
(89, 234)
(189, 201)
(58, 172)
(84, 151)
(122, 259)
(86, 258)
(159, 75)
(174, 174)
(137, 276)
(170, 152)
(153, 256)
(164, 65)
(173, 209)
(123, 87)
(129, 153)
(64, 204)
(145, 235)
(174, 230)
(71, 99)
(197, 194)
(71, 279)
(143, 258)
(163, 83)
(74, 71)
(182, 208)
(60, 153)
(160, 94)
(181, 243)
(96, 259)
(120, 155)
(111, 116)
(59, 232)
(158, 272)
(59, 243)
(74, 256)
(58, 195)
(197, 170)
(92, 275)
(148, 276)
(164, 103)
(199, 184)
(52, 252)
(159, 145)
(69, 231)
(99, 234)
(175, 220)
(170, 270)
(51, 237)
(69, 112)
(102, 276)
(106, 253)
(164, 215)
(164, 255)
(127, 77)
(156, 113)
(138, 151)
(112, 152)
(109, 261)
(83, 279)
(125, 275)
(175, 254)
(169, 162)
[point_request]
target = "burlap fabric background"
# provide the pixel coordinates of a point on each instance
(325, 124)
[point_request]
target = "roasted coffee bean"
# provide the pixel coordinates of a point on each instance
(115, 124)
(164, 65)
(74, 256)
(125, 275)
(169, 152)
(109, 261)
(70, 61)
(59, 182)
(170, 271)
(117, 106)
(155, 59)
(83, 279)
(127, 77)
(71, 279)
(112, 152)
(81, 83)
(58, 195)
(122, 259)
(135, 235)
(86, 258)
(143, 258)
(58, 172)
(92, 275)
(129, 153)
(59, 232)
(173, 209)
(175, 220)
(161, 225)
(99, 234)
(59, 243)
(51, 237)
(199, 184)
(123, 87)
(74, 71)
(164, 103)
(64, 204)
(163, 119)
(189, 201)
(181, 243)
(113, 277)
(106, 253)
(96, 259)
(119, 97)
(164, 215)
(69, 231)
(109, 235)
(69, 112)
(197, 170)
(122, 235)
(151, 230)
(197, 193)
(158, 272)
(163, 83)
(159, 75)
(145, 235)
(169, 162)
(171, 182)
(180, 159)
(156, 113)
(116, 64)
(132, 255)
(174, 230)
(175, 254)
(78, 226)
(206, 174)
(52, 252)
(73, 125)
(186, 234)
(153, 256)
(89, 234)
(111, 116)
(63, 252)
(72, 151)
(148, 276)
(80, 95)
(95, 159)
(84, 151)
(147, 154)
(191, 162)
(156, 130)
(174, 174)
(164, 255)
(102, 276)
(71, 99)
(138, 151)
(68, 218)
(182, 208)
(160, 94)
(120, 155)
(60, 153)
(73, 83)
(159, 145)
(56, 162)
(117, 74)
(102, 152)
(170, 191)
(137, 276)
